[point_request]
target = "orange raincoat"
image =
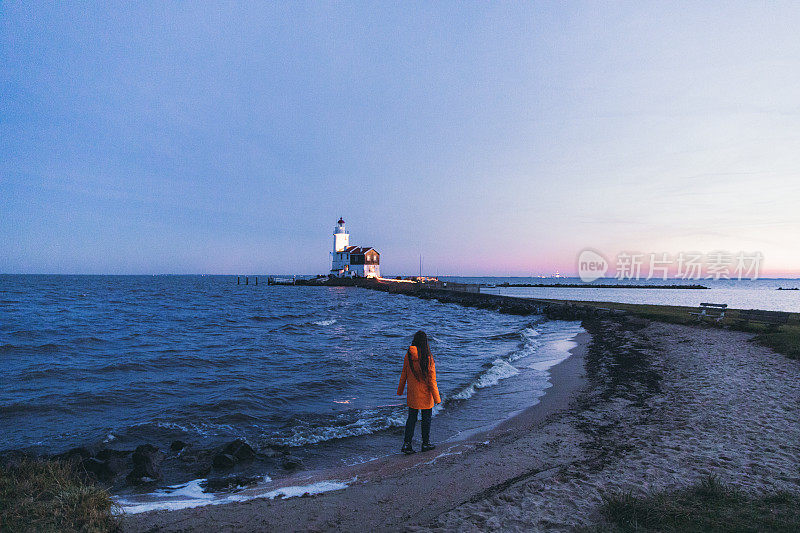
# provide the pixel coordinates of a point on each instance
(420, 395)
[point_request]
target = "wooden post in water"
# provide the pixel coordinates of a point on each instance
(247, 280)
(256, 280)
(237, 280)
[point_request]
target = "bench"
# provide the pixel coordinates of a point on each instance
(708, 310)
(773, 319)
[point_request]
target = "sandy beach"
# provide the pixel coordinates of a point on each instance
(638, 406)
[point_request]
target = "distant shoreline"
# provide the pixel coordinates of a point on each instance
(444, 284)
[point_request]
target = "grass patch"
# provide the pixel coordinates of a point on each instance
(44, 495)
(707, 506)
(785, 341)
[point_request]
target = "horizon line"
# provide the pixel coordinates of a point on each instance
(797, 276)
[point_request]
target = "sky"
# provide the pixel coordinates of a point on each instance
(490, 138)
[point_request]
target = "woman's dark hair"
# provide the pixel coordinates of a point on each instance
(425, 357)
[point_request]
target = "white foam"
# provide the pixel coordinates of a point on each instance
(445, 454)
(562, 348)
(183, 496)
(204, 429)
(530, 346)
(370, 423)
(530, 332)
(328, 322)
(190, 495)
(192, 489)
(499, 370)
(302, 490)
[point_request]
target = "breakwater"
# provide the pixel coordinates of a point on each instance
(502, 304)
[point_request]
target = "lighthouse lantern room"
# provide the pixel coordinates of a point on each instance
(352, 261)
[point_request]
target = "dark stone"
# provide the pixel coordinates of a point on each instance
(102, 470)
(290, 462)
(177, 445)
(233, 453)
(240, 450)
(224, 460)
(107, 464)
(146, 459)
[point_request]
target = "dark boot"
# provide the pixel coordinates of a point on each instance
(427, 446)
(407, 449)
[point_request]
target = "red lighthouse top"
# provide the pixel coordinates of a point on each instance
(341, 220)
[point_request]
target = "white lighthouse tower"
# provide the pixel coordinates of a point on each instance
(340, 259)
(341, 238)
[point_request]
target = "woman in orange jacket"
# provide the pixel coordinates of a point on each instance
(419, 371)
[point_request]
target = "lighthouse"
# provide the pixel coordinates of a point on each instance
(341, 239)
(352, 261)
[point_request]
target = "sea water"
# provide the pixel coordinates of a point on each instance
(118, 361)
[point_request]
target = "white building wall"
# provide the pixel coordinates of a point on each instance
(339, 260)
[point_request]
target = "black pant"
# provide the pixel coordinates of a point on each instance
(412, 421)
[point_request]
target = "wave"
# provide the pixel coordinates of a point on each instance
(499, 370)
(53, 372)
(261, 318)
(30, 408)
(502, 368)
(29, 334)
(504, 336)
(203, 429)
(133, 366)
(369, 421)
(28, 349)
(295, 327)
(88, 341)
(530, 344)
